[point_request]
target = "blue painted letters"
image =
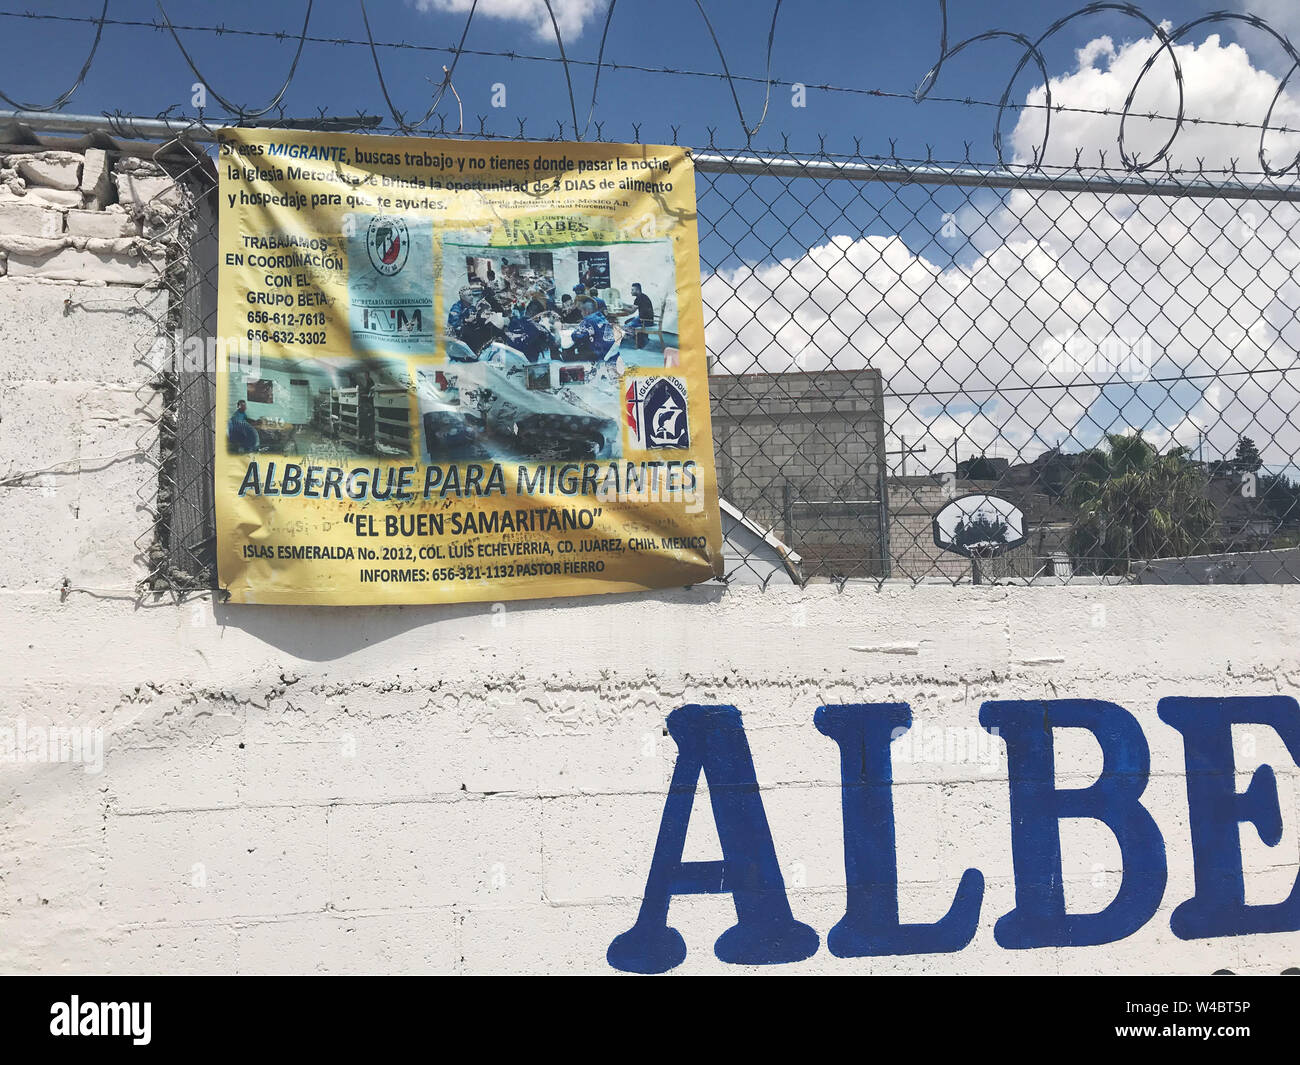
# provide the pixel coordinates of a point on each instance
(711, 739)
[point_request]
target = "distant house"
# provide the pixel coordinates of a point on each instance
(1246, 522)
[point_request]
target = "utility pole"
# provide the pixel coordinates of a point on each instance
(904, 451)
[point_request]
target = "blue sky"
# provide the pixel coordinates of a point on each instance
(887, 46)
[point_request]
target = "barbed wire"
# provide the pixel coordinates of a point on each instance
(235, 109)
(1166, 46)
(1232, 181)
(68, 93)
(828, 87)
(446, 79)
(1032, 52)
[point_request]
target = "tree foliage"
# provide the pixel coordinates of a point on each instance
(979, 530)
(1136, 504)
(979, 468)
(1281, 497)
(1247, 458)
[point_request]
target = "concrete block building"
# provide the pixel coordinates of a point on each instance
(804, 454)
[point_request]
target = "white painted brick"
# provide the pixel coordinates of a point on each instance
(116, 425)
(974, 829)
(219, 863)
(191, 949)
(60, 261)
(58, 943)
(629, 757)
(107, 224)
(1272, 952)
(1153, 949)
(361, 764)
(598, 847)
(96, 336)
(96, 182)
(990, 961)
(48, 877)
(805, 824)
(30, 219)
(181, 775)
(793, 753)
(38, 561)
(52, 854)
(40, 426)
(138, 189)
(55, 170)
(61, 198)
(569, 940)
(381, 863)
(473, 851)
(417, 941)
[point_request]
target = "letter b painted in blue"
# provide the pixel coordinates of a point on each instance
(1037, 807)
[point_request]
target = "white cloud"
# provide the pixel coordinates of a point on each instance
(1219, 84)
(1100, 47)
(1283, 16)
(1053, 294)
(571, 15)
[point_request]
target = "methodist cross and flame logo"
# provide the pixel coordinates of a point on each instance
(656, 413)
(388, 243)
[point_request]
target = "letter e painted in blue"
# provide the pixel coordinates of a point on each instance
(711, 739)
(1215, 808)
(1037, 807)
(870, 925)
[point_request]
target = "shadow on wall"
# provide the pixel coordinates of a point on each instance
(320, 634)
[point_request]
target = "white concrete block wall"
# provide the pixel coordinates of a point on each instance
(457, 789)
(81, 216)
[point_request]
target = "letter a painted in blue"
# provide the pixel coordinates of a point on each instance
(870, 925)
(1037, 807)
(1215, 809)
(711, 739)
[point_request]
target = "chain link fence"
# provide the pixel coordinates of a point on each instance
(1111, 358)
(918, 372)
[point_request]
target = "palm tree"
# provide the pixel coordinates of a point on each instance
(1136, 504)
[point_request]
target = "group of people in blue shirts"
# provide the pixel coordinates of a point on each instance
(480, 316)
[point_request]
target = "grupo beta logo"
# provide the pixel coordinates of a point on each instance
(388, 243)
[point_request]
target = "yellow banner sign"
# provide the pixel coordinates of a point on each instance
(454, 371)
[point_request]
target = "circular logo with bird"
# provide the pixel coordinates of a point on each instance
(388, 243)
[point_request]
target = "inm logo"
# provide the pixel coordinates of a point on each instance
(392, 320)
(388, 243)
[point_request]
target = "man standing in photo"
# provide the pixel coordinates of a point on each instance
(240, 433)
(644, 317)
